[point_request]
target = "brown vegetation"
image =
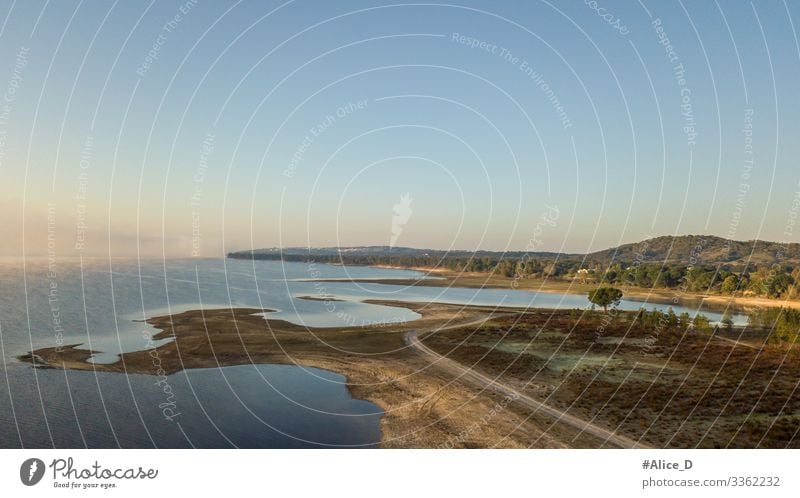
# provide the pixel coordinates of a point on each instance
(670, 387)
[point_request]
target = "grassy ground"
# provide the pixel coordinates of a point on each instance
(669, 388)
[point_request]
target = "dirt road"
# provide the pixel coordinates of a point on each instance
(475, 378)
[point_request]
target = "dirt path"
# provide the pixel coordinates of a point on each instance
(736, 342)
(476, 378)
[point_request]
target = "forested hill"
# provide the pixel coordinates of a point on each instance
(385, 255)
(701, 249)
(685, 250)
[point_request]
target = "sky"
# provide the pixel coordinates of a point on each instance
(193, 128)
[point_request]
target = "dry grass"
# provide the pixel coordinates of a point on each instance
(676, 389)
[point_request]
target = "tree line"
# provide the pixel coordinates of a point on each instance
(764, 281)
(784, 323)
(776, 281)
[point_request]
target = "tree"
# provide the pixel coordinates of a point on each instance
(684, 320)
(758, 281)
(672, 318)
(701, 323)
(727, 321)
(730, 285)
(782, 323)
(605, 297)
(778, 284)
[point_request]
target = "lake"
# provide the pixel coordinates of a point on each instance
(101, 305)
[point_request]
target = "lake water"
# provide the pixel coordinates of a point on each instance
(100, 306)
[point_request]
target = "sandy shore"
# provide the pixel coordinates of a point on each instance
(447, 278)
(425, 407)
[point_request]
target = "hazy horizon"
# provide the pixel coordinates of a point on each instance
(191, 129)
(122, 256)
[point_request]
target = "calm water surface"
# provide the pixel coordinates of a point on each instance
(100, 305)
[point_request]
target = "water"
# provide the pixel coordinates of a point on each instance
(496, 297)
(100, 306)
(247, 406)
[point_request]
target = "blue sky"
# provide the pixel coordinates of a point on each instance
(489, 114)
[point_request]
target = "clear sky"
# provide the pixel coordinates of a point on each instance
(184, 128)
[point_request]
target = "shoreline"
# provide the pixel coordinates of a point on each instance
(424, 406)
(450, 278)
(473, 376)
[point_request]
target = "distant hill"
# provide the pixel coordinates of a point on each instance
(377, 251)
(702, 249)
(332, 251)
(676, 250)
